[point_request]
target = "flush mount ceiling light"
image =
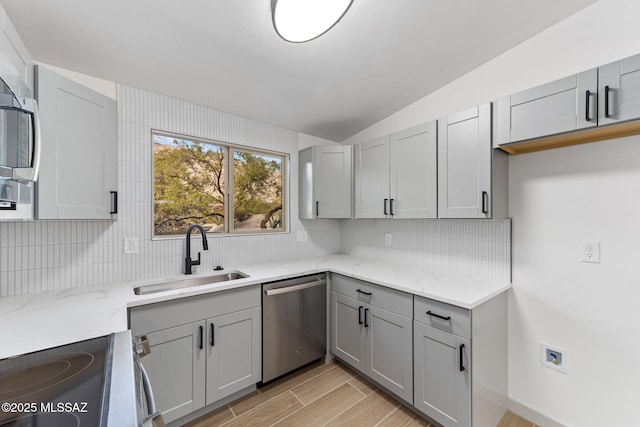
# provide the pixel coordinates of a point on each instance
(298, 21)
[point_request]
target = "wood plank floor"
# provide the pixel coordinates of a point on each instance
(321, 395)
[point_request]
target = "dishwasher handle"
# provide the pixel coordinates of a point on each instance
(294, 288)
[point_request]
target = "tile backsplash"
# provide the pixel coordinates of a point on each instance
(476, 248)
(47, 255)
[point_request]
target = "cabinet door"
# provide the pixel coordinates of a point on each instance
(78, 172)
(414, 188)
(464, 164)
(619, 91)
(176, 368)
(560, 106)
(306, 198)
(372, 178)
(234, 352)
(332, 172)
(442, 383)
(347, 330)
(390, 351)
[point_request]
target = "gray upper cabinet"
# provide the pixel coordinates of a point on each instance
(546, 116)
(325, 181)
(78, 172)
(396, 175)
(414, 175)
(619, 91)
(561, 106)
(472, 177)
(372, 178)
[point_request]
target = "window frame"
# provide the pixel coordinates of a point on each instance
(229, 168)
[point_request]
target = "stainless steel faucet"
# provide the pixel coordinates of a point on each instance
(188, 262)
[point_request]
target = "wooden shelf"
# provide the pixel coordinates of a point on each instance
(573, 138)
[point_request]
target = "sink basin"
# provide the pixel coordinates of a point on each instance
(190, 282)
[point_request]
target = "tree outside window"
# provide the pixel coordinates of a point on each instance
(193, 178)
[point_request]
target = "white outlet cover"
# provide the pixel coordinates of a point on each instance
(387, 239)
(590, 251)
(302, 236)
(130, 245)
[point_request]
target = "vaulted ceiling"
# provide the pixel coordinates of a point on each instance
(382, 56)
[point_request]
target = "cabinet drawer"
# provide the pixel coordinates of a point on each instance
(162, 315)
(390, 299)
(457, 320)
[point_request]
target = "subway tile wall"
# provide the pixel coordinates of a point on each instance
(475, 248)
(49, 255)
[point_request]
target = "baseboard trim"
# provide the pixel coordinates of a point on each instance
(532, 415)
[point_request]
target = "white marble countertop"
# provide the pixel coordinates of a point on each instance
(34, 322)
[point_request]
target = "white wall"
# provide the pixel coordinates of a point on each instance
(558, 198)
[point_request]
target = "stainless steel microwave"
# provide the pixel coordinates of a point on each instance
(19, 154)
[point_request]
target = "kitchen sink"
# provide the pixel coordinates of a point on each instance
(190, 282)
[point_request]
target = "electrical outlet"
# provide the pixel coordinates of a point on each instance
(553, 357)
(130, 245)
(302, 236)
(387, 239)
(590, 251)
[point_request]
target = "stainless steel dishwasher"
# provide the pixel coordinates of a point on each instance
(293, 324)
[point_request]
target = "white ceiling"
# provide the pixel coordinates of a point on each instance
(383, 55)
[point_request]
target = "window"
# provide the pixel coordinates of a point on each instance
(224, 188)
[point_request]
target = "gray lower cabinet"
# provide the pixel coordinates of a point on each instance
(175, 367)
(460, 362)
(442, 386)
(371, 331)
(203, 348)
(347, 330)
(233, 343)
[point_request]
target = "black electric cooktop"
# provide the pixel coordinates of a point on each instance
(59, 387)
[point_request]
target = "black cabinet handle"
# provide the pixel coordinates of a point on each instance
(317, 208)
(366, 324)
(391, 207)
(385, 206)
(606, 101)
(485, 202)
(213, 341)
(363, 292)
(201, 337)
(462, 368)
(586, 105)
(360, 314)
(438, 316)
(114, 202)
